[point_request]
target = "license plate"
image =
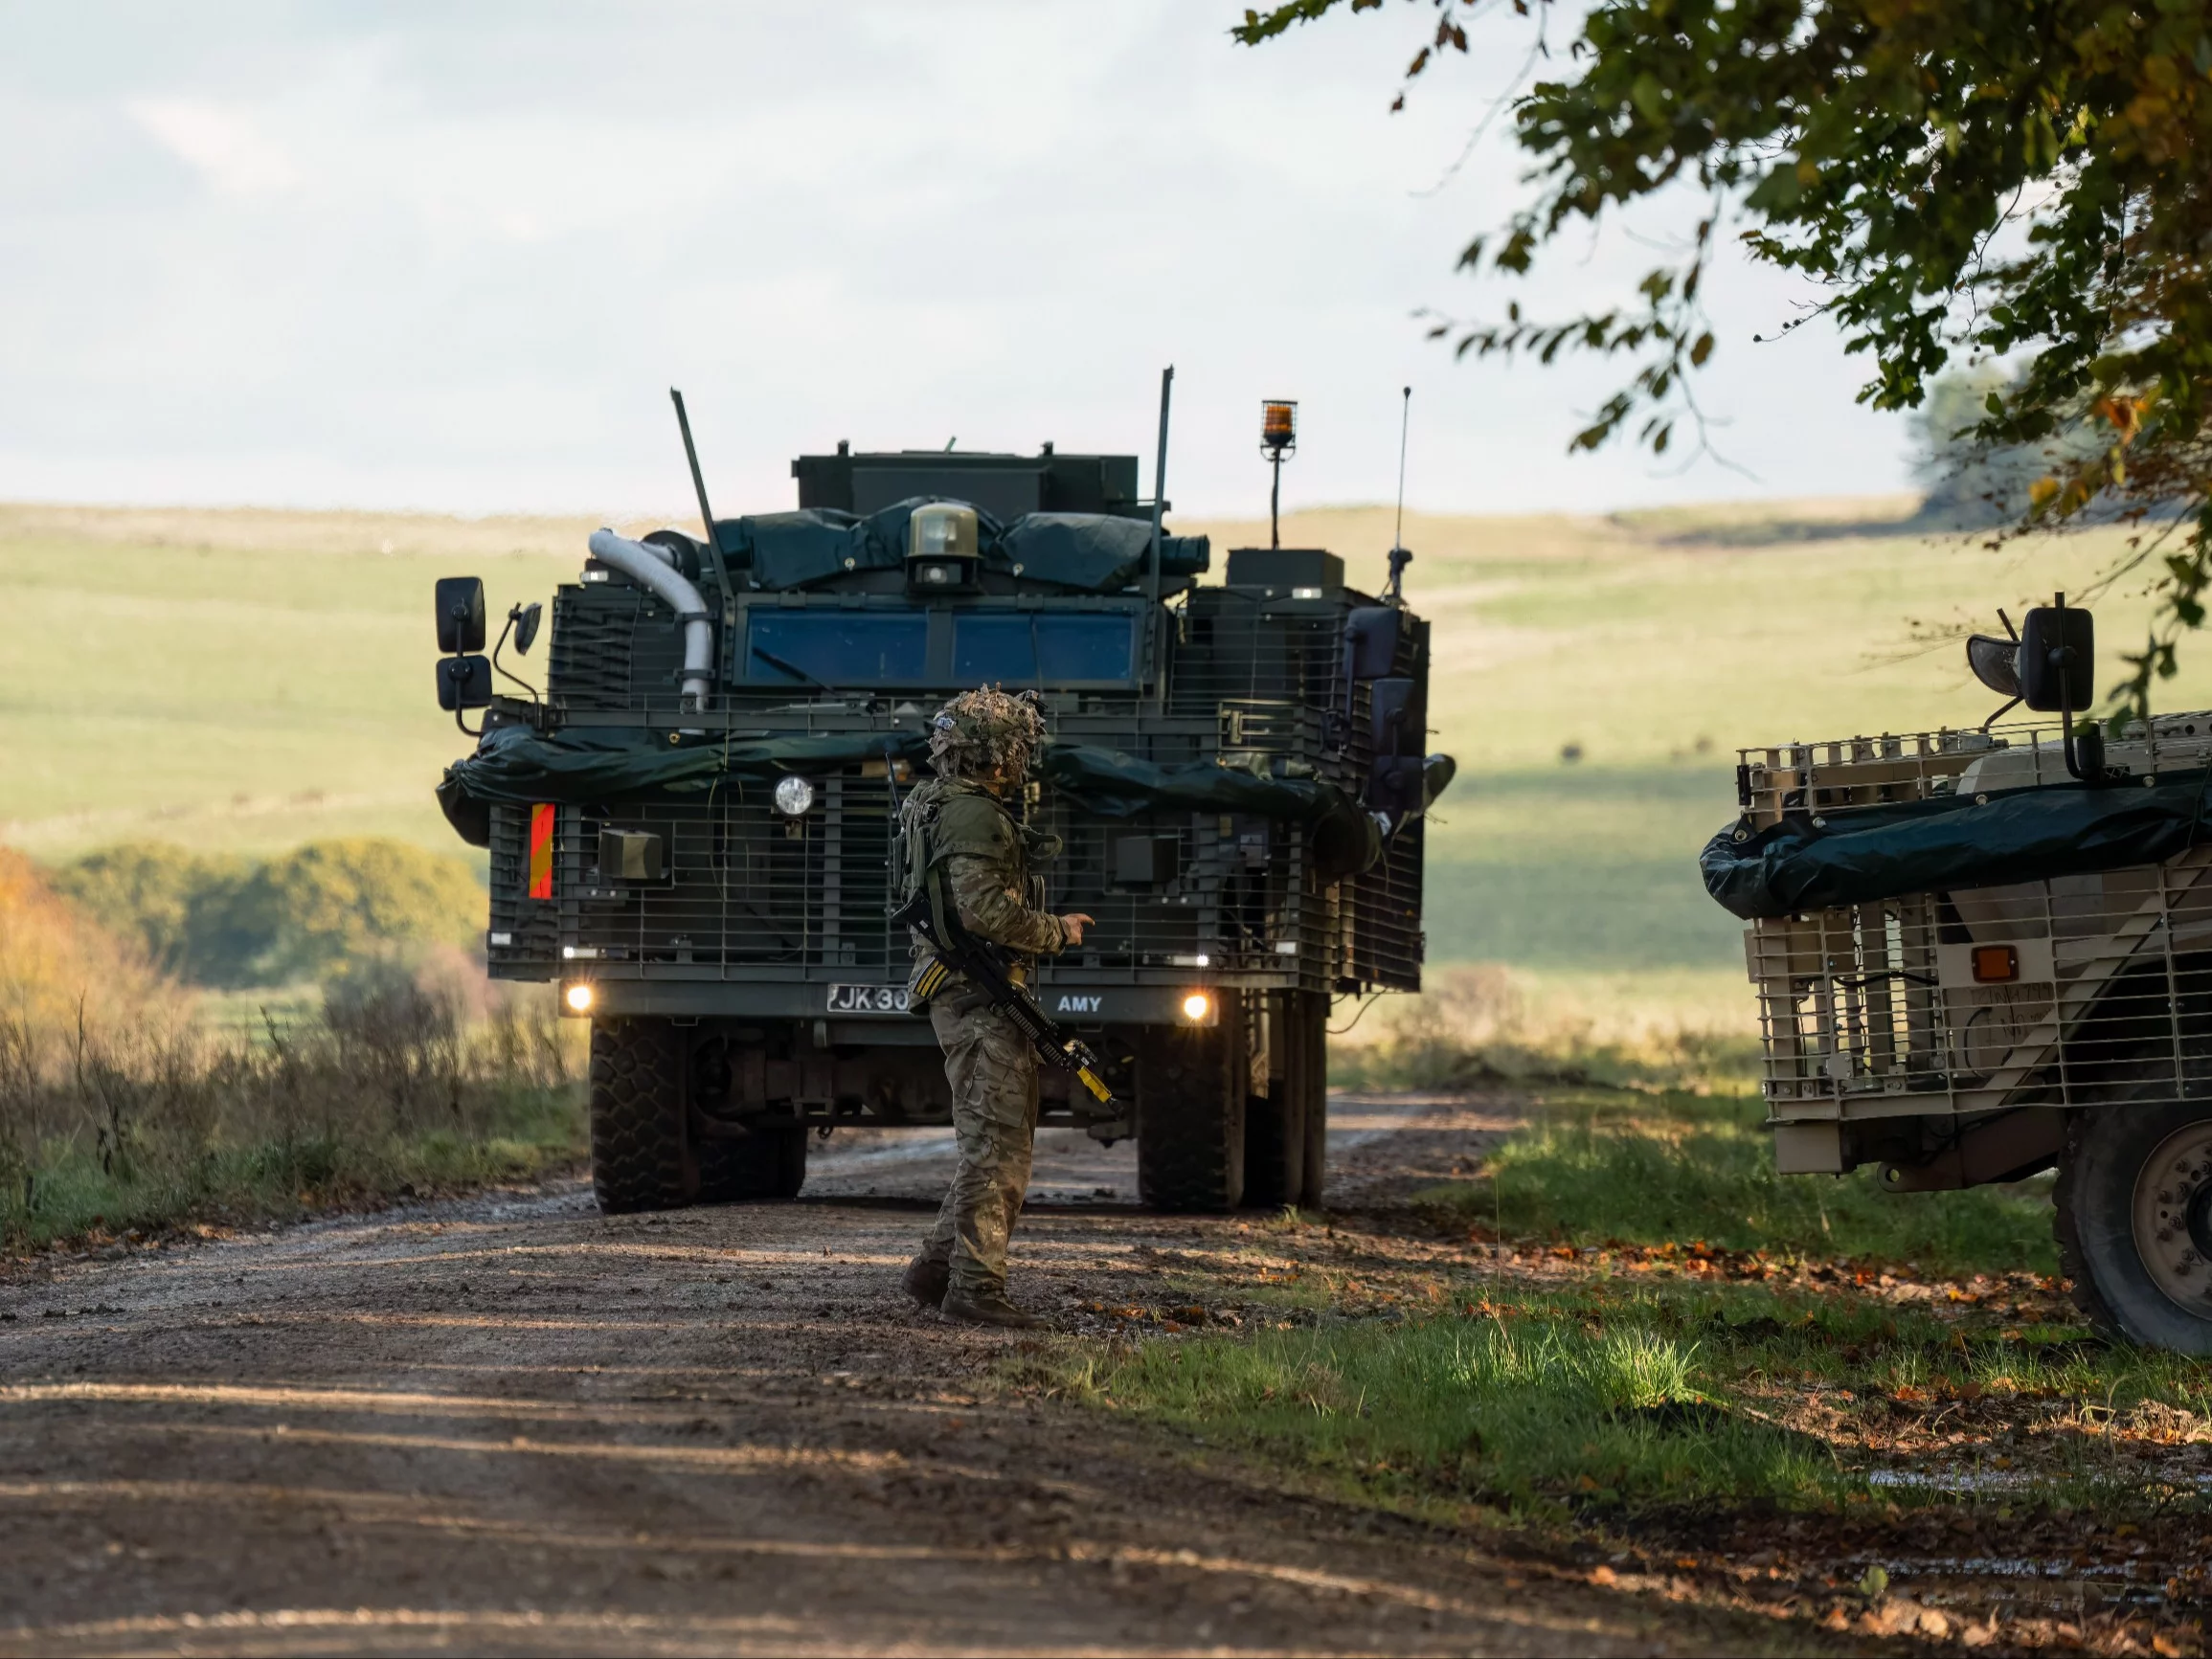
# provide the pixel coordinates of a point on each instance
(868, 999)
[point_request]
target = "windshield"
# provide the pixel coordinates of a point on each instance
(837, 647)
(1035, 646)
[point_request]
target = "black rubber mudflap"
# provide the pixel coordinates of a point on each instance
(1190, 1116)
(637, 1116)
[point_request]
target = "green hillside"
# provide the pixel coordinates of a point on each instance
(245, 681)
(236, 680)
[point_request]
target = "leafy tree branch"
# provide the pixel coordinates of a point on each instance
(2020, 179)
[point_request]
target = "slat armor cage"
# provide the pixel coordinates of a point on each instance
(1258, 682)
(2079, 990)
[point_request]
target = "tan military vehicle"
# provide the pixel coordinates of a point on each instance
(1984, 952)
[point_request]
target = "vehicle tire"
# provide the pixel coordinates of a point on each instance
(769, 1163)
(1310, 1066)
(1275, 1124)
(2134, 1222)
(1190, 1116)
(637, 1115)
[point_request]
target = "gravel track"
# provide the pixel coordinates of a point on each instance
(511, 1423)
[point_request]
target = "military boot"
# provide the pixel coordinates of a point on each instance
(925, 1281)
(989, 1307)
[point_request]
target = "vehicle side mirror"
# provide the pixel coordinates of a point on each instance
(460, 613)
(463, 683)
(2058, 667)
(1995, 662)
(1436, 775)
(525, 621)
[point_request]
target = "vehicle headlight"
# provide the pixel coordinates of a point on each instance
(794, 796)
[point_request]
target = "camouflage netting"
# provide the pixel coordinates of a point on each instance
(985, 730)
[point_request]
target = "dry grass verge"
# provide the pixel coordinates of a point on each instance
(124, 1110)
(1475, 1028)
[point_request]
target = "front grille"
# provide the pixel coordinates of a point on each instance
(748, 889)
(745, 898)
(744, 888)
(748, 894)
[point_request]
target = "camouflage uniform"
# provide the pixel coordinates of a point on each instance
(970, 833)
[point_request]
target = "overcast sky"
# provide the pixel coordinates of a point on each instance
(452, 256)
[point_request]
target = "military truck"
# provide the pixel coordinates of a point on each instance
(1986, 952)
(689, 828)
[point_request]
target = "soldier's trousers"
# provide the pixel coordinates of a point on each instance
(993, 1071)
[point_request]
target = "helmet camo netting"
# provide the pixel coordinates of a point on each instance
(984, 729)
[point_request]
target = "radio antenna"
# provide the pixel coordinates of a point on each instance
(1152, 631)
(706, 513)
(692, 454)
(1400, 558)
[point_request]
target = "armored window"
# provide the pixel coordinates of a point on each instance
(837, 647)
(1026, 648)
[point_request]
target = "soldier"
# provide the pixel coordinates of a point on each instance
(980, 745)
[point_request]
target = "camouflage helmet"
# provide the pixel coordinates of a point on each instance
(984, 729)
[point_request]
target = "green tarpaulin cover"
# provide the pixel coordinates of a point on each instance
(1087, 552)
(586, 765)
(1884, 852)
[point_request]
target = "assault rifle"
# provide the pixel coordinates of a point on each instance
(954, 950)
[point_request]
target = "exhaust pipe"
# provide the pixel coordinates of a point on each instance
(653, 568)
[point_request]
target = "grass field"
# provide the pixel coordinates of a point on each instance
(1615, 1334)
(236, 680)
(248, 680)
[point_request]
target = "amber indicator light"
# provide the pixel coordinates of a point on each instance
(1994, 964)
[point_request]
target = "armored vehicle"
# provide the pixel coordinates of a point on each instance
(1983, 953)
(690, 830)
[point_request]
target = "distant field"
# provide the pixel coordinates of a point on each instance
(236, 679)
(249, 680)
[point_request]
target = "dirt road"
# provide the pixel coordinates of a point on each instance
(514, 1424)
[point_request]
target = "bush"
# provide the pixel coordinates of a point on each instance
(331, 902)
(56, 964)
(305, 915)
(177, 905)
